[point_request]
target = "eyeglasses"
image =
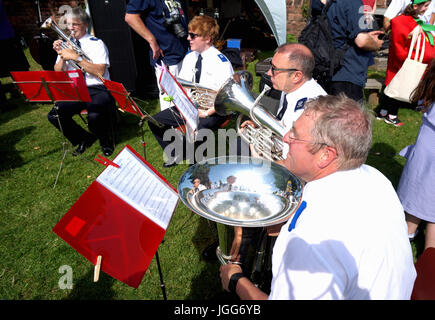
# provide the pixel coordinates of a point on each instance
(293, 140)
(74, 24)
(193, 35)
(273, 68)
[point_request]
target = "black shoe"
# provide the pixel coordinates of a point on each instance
(209, 253)
(107, 150)
(395, 122)
(84, 145)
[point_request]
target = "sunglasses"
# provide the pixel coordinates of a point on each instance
(273, 68)
(193, 35)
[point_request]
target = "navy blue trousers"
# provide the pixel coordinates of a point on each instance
(101, 114)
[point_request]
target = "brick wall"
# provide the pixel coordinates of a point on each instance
(23, 14)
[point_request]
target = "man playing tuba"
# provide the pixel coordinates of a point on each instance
(291, 71)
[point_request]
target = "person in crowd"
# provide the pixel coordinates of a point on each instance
(415, 189)
(323, 251)
(350, 31)
(164, 27)
(204, 65)
(101, 109)
(291, 73)
(13, 58)
(397, 7)
(398, 50)
(197, 186)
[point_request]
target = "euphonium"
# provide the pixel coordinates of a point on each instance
(51, 24)
(235, 96)
(202, 95)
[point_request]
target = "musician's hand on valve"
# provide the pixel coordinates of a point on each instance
(57, 46)
(68, 54)
(248, 123)
(226, 271)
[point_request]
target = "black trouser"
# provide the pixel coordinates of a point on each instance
(392, 105)
(350, 89)
(101, 114)
(171, 118)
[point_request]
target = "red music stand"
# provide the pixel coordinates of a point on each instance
(123, 98)
(127, 104)
(52, 86)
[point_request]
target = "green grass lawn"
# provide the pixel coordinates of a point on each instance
(30, 206)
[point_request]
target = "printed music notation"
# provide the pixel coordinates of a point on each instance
(180, 99)
(135, 183)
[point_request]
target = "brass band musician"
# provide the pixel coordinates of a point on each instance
(102, 106)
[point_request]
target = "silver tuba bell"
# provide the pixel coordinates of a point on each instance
(240, 192)
(200, 94)
(235, 96)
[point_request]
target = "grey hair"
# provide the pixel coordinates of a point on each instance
(344, 124)
(300, 55)
(79, 14)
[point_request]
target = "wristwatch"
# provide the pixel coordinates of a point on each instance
(233, 281)
(79, 59)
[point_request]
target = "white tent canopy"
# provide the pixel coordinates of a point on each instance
(275, 12)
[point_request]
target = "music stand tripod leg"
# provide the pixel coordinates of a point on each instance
(56, 108)
(162, 284)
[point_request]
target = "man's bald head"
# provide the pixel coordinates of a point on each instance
(300, 55)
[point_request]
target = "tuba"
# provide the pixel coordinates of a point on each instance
(235, 96)
(201, 95)
(67, 41)
(262, 193)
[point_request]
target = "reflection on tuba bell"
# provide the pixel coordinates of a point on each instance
(262, 193)
(202, 95)
(235, 96)
(67, 41)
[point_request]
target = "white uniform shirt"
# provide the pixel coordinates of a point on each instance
(350, 242)
(397, 7)
(98, 53)
(296, 101)
(215, 70)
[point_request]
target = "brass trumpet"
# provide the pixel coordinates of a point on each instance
(67, 41)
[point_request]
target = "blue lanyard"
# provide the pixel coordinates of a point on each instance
(297, 214)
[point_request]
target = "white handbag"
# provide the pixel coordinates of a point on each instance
(407, 78)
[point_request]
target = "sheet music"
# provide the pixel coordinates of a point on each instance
(139, 186)
(186, 107)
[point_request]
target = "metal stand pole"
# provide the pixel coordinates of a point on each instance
(162, 284)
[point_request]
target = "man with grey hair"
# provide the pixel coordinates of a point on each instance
(326, 249)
